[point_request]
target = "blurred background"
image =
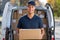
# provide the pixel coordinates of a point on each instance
(56, 9)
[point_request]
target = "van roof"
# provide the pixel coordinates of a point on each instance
(37, 8)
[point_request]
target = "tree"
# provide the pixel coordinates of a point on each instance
(57, 8)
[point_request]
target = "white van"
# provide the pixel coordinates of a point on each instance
(44, 12)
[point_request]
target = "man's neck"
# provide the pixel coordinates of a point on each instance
(31, 15)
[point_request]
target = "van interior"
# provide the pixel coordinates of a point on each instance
(17, 15)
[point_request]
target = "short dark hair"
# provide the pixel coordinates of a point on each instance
(32, 3)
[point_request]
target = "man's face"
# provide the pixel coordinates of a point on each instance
(31, 9)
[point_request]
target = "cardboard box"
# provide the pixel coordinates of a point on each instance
(30, 34)
(45, 21)
(14, 27)
(14, 23)
(19, 16)
(24, 12)
(15, 15)
(16, 37)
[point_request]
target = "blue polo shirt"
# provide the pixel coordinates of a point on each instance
(26, 23)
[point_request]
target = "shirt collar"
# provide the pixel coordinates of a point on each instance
(31, 18)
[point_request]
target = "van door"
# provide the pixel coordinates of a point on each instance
(51, 28)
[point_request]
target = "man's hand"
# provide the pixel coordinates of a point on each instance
(42, 31)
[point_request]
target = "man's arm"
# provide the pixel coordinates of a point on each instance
(41, 26)
(42, 31)
(19, 25)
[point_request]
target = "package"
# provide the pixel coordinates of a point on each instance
(14, 27)
(16, 37)
(19, 16)
(25, 34)
(15, 14)
(24, 12)
(45, 21)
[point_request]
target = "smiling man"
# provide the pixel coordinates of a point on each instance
(30, 21)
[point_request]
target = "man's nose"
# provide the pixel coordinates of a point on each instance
(30, 8)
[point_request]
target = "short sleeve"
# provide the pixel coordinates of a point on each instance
(40, 23)
(19, 25)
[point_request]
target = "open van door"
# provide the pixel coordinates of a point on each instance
(51, 29)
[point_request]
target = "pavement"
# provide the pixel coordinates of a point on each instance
(57, 29)
(0, 34)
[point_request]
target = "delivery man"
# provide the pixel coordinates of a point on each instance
(30, 21)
